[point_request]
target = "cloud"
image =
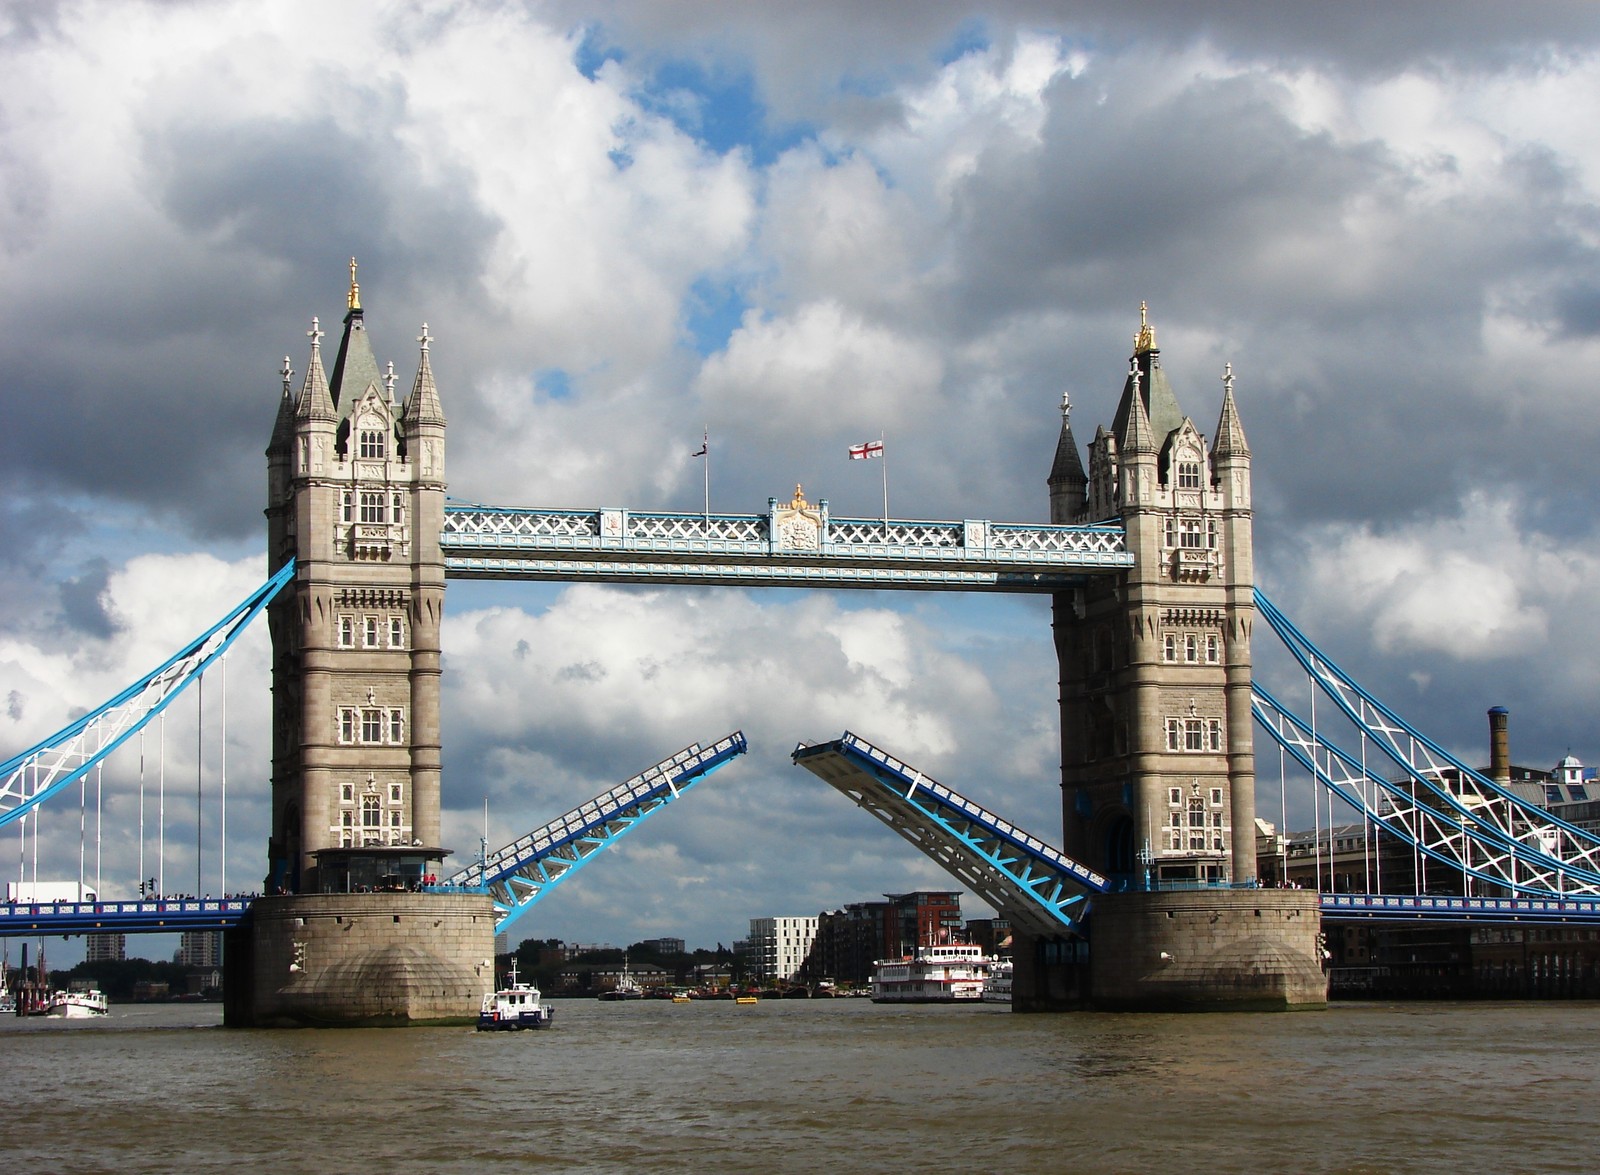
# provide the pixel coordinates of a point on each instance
(795, 228)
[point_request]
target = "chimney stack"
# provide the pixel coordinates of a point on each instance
(1499, 745)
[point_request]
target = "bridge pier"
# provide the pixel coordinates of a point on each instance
(361, 960)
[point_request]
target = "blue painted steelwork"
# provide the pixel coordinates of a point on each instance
(1441, 807)
(28, 779)
(793, 545)
(1371, 907)
(1039, 888)
(517, 876)
(156, 916)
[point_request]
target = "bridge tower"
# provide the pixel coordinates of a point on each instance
(355, 495)
(1157, 761)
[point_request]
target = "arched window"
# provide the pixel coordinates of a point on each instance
(1188, 475)
(372, 446)
(371, 813)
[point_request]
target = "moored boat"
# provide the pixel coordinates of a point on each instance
(74, 1005)
(513, 1007)
(627, 988)
(997, 987)
(943, 974)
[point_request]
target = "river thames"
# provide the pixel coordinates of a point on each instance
(824, 1085)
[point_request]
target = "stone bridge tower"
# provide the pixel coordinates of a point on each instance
(349, 932)
(356, 495)
(1157, 761)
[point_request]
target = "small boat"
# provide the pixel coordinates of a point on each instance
(74, 1005)
(745, 999)
(514, 1007)
(626, 989)
(997, 988)
(944, 974)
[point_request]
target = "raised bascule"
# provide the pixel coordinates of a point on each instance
(1151, 899)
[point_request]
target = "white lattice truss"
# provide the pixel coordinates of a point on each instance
(623, 545)
(1038, 887)
(29, 779)
(1447, 810)
(525, 870)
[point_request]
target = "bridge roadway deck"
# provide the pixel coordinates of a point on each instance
(785, 547)
(155, 916)
(1378, 907)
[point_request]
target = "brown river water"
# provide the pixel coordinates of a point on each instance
(808, 1086)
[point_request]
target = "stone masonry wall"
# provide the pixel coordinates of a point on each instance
(370, 959)
(1222, 949)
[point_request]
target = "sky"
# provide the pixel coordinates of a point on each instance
(795, 229)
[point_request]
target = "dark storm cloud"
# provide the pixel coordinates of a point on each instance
(83, 602)
(802, 53)
(151, 352)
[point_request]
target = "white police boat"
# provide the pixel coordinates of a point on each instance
(513, 1007)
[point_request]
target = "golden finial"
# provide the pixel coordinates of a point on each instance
(355, 290)
(1145, 340)
(799, 502)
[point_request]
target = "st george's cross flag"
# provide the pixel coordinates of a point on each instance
(865, 450)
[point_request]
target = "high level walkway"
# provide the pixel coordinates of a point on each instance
(792, 545)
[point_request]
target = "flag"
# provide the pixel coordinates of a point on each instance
(705, 439)
(865, 450)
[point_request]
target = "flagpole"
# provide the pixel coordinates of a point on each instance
(883, 455)
(705, 443)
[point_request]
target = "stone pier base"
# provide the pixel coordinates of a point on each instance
(1242, 950)
(353, 960)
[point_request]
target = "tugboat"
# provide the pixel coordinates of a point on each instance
(514, 1007)
(627, 987)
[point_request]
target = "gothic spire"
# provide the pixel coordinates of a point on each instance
(356, 368)
(315, 403)
(1067, 469)
(1160, 404)
(283, 427)
(422, 405)
(1135, 434)
(1230, 440)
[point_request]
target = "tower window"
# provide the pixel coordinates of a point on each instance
(369, 632)
(397, 727)
(1191, 647)
(371, 817)
(372, 506)
(394, 793)
(1188, 475)
(347, 632)
(1170, 646)
(397, 633)
(347, 726)
(347, 506)
(372, 446)
(372, 726)
(397, 504)
(1190, 535)
(1213, 648)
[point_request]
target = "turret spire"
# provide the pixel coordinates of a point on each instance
(1230, 440)
(315, 403)
(422, 405)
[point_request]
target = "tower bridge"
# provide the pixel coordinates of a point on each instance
(1147, 559)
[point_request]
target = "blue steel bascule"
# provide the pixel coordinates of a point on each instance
(1147, 560)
